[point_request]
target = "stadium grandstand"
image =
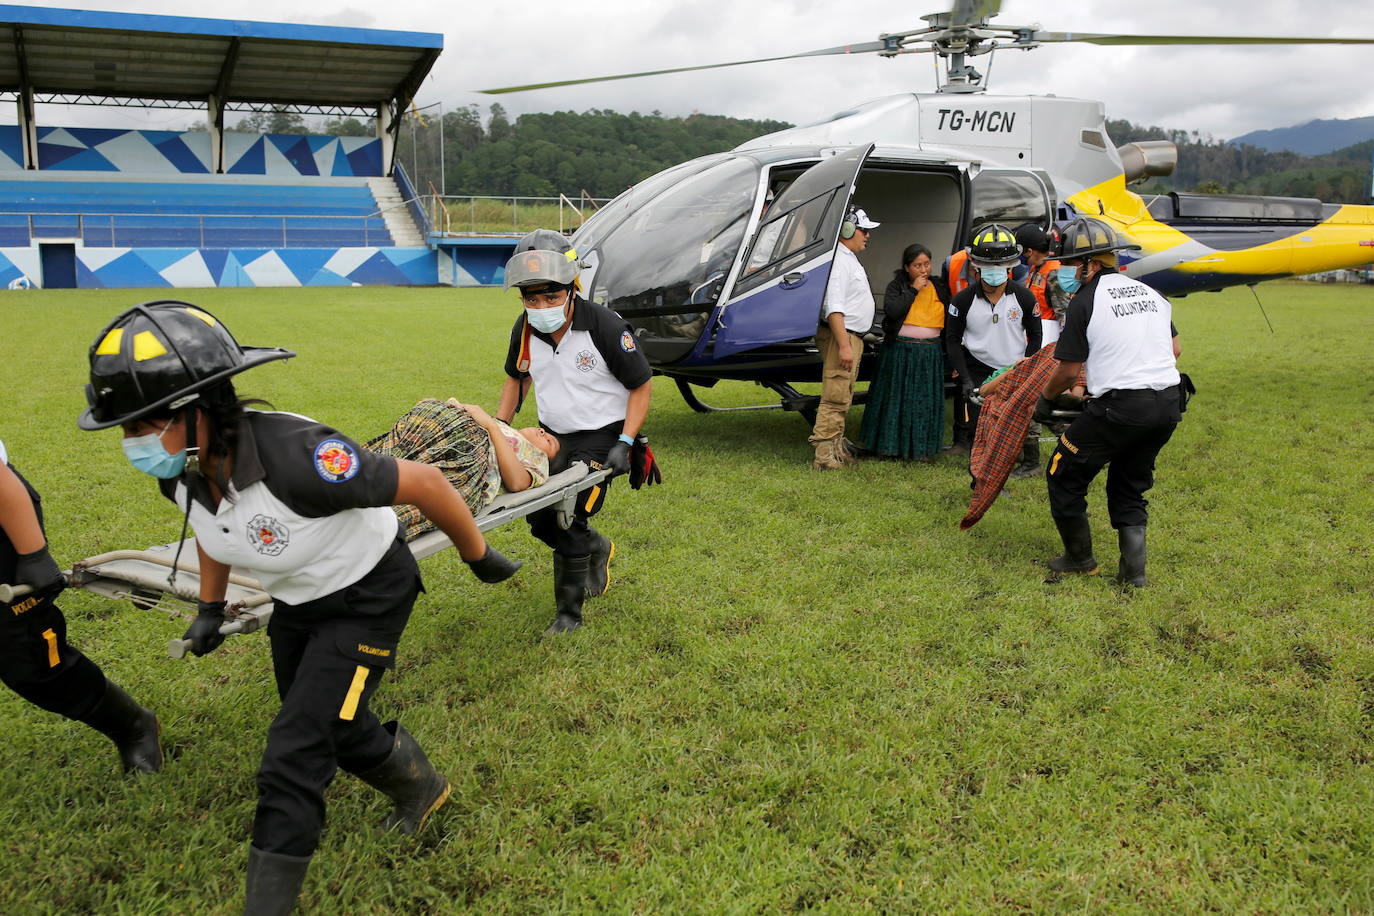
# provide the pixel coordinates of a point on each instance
(94, 207)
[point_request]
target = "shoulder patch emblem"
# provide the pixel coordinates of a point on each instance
(586, 360)
(336, 461)
(954, 310)
(268, 536)
(627, 341)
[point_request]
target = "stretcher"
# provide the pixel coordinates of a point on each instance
(142, 576)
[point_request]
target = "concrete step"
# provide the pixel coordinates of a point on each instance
(399, 221)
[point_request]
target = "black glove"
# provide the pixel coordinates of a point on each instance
(204, 633)
(643, 465)
(39, 571)
(493, 566)
(1044, 410)
(618, 459)
(965, 388)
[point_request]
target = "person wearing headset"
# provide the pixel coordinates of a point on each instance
(846, 313)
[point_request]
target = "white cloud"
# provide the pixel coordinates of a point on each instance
(1222, 91)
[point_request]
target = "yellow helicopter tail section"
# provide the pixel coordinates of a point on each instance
(1194, 242)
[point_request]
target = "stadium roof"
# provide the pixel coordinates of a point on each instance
(85, 57)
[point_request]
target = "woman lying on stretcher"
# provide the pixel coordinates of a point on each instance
(478, 454)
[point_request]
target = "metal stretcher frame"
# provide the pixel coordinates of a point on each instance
(141, 576)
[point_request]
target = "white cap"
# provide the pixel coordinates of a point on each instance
(863, 222)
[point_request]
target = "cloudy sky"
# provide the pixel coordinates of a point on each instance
(1223, 92)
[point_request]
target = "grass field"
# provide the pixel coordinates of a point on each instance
(802, 691)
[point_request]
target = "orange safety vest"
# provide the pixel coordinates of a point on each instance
(1036, 281)
(957, 273)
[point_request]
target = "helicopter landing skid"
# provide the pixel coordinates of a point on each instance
(789, 399)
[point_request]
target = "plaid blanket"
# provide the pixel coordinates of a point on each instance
(442, 434)
(1002, 427)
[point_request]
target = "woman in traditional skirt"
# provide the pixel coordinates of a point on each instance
(905, 416)
(480, 456)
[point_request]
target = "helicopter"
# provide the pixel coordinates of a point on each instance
(720, 263)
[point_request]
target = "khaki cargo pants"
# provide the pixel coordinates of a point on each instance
(837, 392)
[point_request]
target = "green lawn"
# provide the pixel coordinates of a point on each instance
(803, 691)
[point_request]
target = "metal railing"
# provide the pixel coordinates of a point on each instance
(209, 230)
(477, 214)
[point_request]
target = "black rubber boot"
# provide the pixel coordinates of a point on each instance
(599, 566)
(569, 590)
(408, 778)
(274, 882)
(132, 728)
(1131, 569)
(1077, 536)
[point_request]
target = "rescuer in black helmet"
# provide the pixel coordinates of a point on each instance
(1122, 331)
(990, 324)
(36, 661)
(307, 511)
(591, 385)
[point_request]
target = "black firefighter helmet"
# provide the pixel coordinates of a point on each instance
(1086, 236)
(159, 356)
(993, 245)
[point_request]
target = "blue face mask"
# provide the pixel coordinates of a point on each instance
(147, 454)
(546, 320)
(1068, 279)
(994, 276)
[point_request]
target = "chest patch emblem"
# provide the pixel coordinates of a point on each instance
(336, 461)
(627, 341)
(268, 536)
(586, 360)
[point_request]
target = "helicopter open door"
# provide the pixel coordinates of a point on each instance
(778, 291)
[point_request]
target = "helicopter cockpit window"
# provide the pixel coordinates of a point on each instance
(610, 216)
(663, 264)
(785, 241)
(1010, 198)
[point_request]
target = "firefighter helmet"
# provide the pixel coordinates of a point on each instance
(160, 356)
(993, 245)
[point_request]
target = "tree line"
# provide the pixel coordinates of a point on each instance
(604, 152)
(1219, 167)
(542, 155)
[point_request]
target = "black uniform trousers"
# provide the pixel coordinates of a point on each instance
(36, 661)
(578, 539)
(329, 656)
(965, 411)
(1124, 428)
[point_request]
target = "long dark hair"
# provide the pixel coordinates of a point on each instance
(909, 254)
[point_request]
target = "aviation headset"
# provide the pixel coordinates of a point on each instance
(851, 223)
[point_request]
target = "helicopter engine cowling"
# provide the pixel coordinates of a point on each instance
(1148, 158)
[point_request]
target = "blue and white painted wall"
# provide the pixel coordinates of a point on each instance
(138, 268)
(168, 152)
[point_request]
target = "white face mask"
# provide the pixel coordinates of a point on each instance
(994, 276)
(546, 320)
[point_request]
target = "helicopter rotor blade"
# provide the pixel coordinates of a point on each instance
(973, 12)
(892, 45)
(1120, 39)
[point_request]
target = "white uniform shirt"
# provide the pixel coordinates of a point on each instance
(584, 382)
(307, 511)
(995, 334)
(1123, 330)
(848, 291)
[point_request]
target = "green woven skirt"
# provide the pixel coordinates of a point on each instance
(905, 414)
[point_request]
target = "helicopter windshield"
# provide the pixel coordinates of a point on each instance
(609, 217)
(662, 264)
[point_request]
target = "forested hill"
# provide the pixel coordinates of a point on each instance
(1216, 166)
(604, 152)
(542, 155)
